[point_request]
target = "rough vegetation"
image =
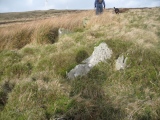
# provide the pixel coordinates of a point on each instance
(34, 60)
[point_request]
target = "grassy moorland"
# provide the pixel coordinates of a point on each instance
(16, 17)
(34, 60)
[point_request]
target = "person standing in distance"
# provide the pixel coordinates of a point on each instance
(99, 6)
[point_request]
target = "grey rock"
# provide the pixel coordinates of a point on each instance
(100, 54)
(121, 63)
(62, 31)
(79, 70)
(85, 22)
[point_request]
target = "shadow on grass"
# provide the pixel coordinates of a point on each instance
(6, 88)
(90, 101)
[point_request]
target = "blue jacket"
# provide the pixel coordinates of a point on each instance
(96, 2)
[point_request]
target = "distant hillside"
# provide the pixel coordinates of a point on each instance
(38, 48)
(12, 17)
(32, 15)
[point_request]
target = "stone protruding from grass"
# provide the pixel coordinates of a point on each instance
(100, 54)
(62, 31)
(121, 62)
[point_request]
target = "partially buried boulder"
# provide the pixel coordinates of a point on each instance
(100, 54)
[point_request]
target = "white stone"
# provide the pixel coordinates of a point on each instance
(100, 54)
(62, 31)
(121, 63)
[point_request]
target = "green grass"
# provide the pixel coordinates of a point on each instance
(8, 58)
(33, 82)
(23, 104)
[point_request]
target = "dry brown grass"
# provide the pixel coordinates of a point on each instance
(35, 29)
(10, 33)
(130, 25)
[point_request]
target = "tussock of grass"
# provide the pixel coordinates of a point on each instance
(8, 58)
(34, 60)
(130, 85)
(50, 101)
(90, 99)
(81, 55)
(15, 39)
